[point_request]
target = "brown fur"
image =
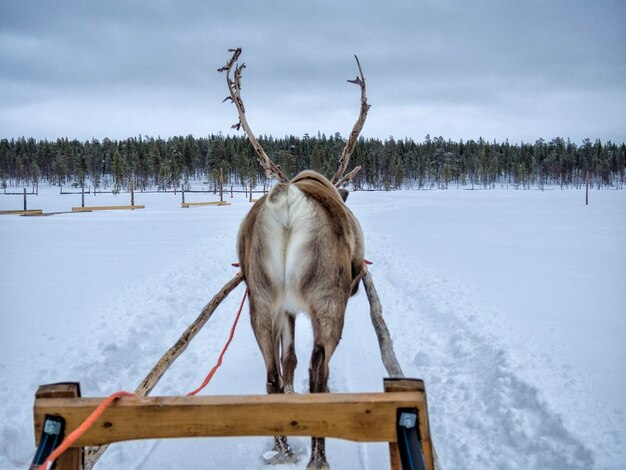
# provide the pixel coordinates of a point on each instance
(330, 262)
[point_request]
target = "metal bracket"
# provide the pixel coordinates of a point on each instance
(51, 437)
(409, 442)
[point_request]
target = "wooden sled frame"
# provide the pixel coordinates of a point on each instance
(361, 417)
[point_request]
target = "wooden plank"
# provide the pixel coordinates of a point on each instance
(198, 204)
(21, 212)
(47, 214)
(71, 459)
(361, 417)
(399, 385)
(106, 208)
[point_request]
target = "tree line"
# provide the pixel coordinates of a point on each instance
(157, 163)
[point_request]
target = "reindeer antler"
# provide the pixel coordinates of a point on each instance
(339, 180)
(234, 89)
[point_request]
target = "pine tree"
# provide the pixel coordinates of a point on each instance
(119, 171)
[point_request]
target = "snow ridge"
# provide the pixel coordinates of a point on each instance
(482, 414)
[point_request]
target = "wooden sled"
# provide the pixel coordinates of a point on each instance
(399, 415)
(360, 417)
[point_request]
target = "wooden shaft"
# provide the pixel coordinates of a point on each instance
(390, 361)
(361, 417)
(159, 369)
(153, 377)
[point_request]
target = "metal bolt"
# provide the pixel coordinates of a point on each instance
(408, 420)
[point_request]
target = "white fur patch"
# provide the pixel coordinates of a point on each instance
(288, 222)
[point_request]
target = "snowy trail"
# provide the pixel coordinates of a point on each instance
(482, 414)
(485, 413)
(182, 294)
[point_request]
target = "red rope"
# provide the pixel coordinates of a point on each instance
(219, 360)
(93, 417)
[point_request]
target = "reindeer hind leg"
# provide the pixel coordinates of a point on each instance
(326, 340)
(289, 361)
(268, 335)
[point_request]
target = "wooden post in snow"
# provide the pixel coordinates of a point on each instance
(221, 184)
(25, 199)
(183, 194)
(82, 195)
(132, 192)
(587, 189)
(250, 189)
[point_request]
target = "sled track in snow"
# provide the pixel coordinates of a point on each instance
(482, 414)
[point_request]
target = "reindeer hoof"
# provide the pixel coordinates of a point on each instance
(274, 457)
(318, 460)
(318, 466)
(281, 453)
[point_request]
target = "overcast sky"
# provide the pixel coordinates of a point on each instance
(517, 70)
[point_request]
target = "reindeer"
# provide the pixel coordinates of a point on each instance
(301, 250)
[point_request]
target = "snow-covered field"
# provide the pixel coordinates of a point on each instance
(510, 304)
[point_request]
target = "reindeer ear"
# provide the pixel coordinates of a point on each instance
(343, 192)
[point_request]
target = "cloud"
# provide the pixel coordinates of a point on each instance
(517, 70)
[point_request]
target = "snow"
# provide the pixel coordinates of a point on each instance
(510, 304)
